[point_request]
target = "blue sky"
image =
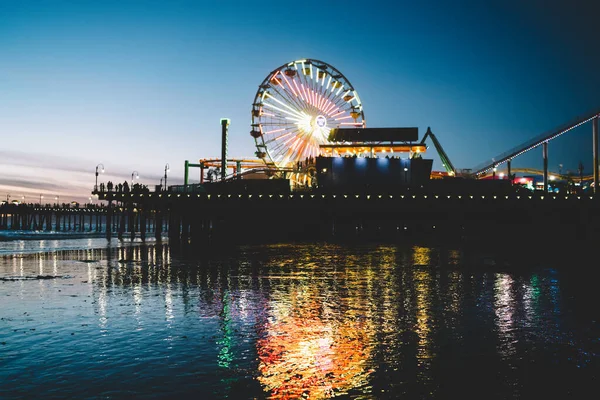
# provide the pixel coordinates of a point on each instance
(138, 84)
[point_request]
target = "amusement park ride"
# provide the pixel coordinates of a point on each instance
(338, 178)
(304, 110)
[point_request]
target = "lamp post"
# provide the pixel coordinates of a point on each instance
(166, 170)
(137, 176)
(161, 186)
(405, 175)
(96, 187)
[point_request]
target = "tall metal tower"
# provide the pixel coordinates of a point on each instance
(224, 127)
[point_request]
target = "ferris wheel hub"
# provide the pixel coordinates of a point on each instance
(321, 121)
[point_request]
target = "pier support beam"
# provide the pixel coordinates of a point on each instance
(545, 154)
(185, 229)
(142, 223)
(131, 221)
(121, 223)
(158, 222)
(49, 221)
(508, 172)
(595, 151)
(109, 215)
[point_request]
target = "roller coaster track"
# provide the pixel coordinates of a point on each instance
(539, 172)
(533, 143)
(266, 170)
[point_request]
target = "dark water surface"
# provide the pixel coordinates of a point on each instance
(286, 321)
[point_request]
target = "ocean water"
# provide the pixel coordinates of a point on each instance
(91, 318)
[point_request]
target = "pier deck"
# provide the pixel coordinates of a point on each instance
(246, 217)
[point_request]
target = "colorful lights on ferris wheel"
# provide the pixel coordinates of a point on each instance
(295, 108)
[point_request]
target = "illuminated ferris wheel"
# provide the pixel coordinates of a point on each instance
(296, 106)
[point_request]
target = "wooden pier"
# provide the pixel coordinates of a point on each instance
(116, 220)
(239, 217)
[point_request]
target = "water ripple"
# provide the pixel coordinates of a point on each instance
(288, 321)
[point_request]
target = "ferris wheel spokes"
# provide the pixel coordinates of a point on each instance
(295, 108)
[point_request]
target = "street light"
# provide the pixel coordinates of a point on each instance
(166, 170)
(137, 176)
(96, 187)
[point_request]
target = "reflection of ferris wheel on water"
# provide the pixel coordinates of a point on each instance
(296, 106)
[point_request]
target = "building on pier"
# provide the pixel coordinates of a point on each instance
(371, 159)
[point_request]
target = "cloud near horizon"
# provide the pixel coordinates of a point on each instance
(35, 174)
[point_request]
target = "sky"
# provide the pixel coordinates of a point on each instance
(137, 85)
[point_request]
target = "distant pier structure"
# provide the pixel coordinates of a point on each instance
(490, 212)
(36, 217)
(118, 220)
(364, 190)
(366, 184)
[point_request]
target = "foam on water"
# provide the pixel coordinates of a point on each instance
(27, 242)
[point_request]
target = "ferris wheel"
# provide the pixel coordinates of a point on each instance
(296, 106)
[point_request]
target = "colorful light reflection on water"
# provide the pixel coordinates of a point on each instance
(288, 321)
(310, 349)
